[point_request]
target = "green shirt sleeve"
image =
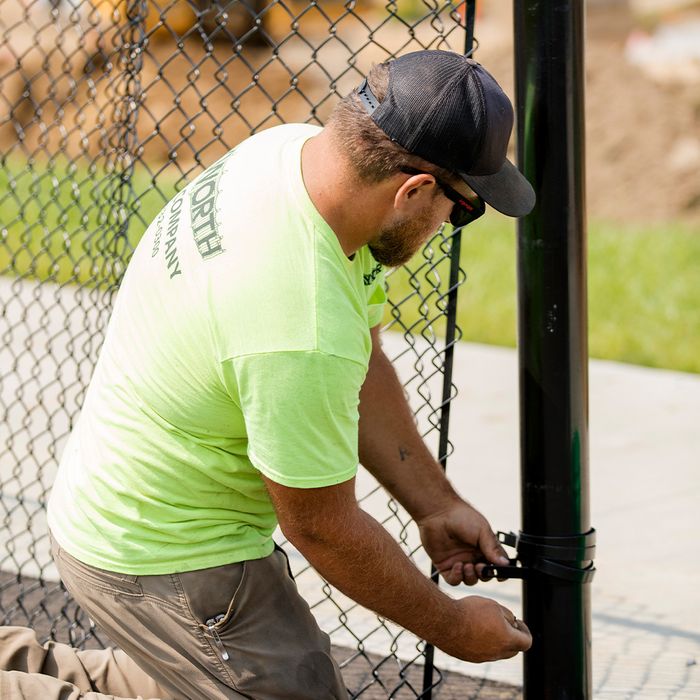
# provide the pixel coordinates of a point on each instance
(376, 299)
(301, 415)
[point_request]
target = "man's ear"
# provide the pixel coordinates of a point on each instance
(414, 189)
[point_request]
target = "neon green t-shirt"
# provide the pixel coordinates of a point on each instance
(237, 346)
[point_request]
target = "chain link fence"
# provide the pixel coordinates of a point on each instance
(107, 108)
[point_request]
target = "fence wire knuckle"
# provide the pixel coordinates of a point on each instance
(107, 109)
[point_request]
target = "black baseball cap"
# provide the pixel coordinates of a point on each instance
(450, 111)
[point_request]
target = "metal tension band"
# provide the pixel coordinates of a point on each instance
(369, 101)
(547, 555)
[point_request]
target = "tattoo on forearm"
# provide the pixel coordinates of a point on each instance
(403, 453)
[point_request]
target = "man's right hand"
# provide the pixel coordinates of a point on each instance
(353, 552)
(485, 631)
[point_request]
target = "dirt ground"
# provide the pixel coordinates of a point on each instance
(643, 135)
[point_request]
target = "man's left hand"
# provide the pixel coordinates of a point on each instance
(460, 543)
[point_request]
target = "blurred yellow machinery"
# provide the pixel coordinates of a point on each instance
(236, 18)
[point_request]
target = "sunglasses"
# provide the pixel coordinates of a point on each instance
(465, 209)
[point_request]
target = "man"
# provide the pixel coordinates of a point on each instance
(242, 378)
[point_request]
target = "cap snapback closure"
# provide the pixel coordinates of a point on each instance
(367, 97)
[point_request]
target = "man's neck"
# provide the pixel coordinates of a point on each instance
(353, 209)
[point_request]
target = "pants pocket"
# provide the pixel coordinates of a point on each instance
(269, 643)
(211, 593)
(285, 555)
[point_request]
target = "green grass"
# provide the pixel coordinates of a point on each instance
(644, 295)
(61, 222)
(643, 291)
(58, 222)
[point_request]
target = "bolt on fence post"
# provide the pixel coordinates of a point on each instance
(553, 348)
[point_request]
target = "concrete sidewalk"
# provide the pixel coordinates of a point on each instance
(644, 466)
(645, 506)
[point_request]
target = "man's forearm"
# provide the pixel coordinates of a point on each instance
(391, 448)
(358, 556)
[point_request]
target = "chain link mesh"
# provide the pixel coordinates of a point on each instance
(107, 108)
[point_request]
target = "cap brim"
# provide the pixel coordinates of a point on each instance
(507, 190)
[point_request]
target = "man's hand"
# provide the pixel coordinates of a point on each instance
(353, 552)
(486, 631)
(460, 543)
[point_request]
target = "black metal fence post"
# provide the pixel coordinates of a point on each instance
(553, 349)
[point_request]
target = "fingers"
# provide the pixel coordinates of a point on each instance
(491, 548)
(467, 573)
(471, 572)
(508, 616)
(453, 575)
(521, 636)
(461, 572)
(486, 574)
(492, 631)
(482, 573)
(522, 627)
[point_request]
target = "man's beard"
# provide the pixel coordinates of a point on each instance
(397, 244)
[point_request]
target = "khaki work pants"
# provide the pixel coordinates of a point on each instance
(235, 631)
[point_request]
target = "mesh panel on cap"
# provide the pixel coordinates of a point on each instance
(434, 108)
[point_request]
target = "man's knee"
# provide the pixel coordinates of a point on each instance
(20, 650)
(17, 685)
